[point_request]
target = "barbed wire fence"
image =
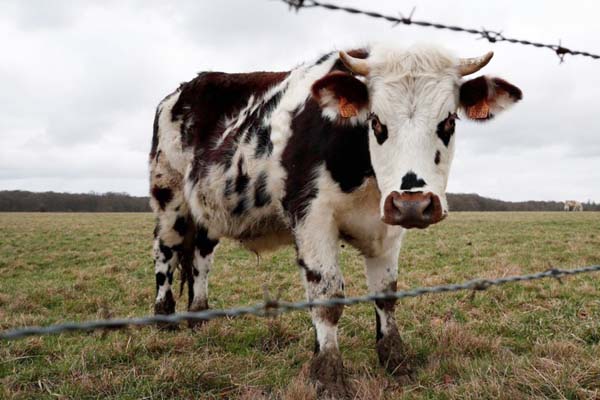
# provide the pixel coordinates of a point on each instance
(274, 307)
(483, 33)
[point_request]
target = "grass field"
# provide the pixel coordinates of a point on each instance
(533, 340)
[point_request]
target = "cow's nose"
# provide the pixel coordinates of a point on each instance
(412, 209)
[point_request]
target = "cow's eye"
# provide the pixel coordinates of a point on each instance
(379, 129)
(445, 129)
(376, 125)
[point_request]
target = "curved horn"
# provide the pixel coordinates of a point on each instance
(467, 66)
(356, 65)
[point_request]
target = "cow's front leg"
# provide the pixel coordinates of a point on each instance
(382, 274)
(317, 257)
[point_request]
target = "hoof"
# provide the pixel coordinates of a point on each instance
(394, 355)
(327, 372)
(196, 306)
(165, 306)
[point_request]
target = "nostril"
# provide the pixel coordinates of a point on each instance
(429, 210)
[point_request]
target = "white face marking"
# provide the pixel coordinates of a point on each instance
(411, 93)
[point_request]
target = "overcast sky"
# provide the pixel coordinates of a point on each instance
(79, 82)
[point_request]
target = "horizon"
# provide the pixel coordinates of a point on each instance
(94, 193)
(81, 120)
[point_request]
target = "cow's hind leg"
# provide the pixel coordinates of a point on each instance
(203, 253)
(317, 242)
(172, 224)
(382, 274)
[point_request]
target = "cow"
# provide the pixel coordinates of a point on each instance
(573, 205)
(355, 146)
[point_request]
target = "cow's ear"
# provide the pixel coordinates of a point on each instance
(484, 97)
(341, 94)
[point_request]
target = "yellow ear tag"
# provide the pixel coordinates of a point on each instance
(347, 109)
(479, 111)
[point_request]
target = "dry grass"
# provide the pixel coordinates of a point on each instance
(535, 340)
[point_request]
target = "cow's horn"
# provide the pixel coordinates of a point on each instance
(356, 65)
(467, 66)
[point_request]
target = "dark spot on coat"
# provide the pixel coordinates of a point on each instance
(203, 243)
(241, 206)
(312, 276)
(228, 191)
(436, 160)
(261, 195)
(180, 225)
(195, 271)
(166, 251)
(264, 146)
(343, 149)
(410, 181)
(388, 305)
(379, 130)
(324, 58)
(155, 134)
(242, 179)
(160, 279)
(445, 129)
(334, 313)
(162, 195)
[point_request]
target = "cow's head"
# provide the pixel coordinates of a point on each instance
(410, 101)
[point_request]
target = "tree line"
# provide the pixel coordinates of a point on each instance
(19, 200)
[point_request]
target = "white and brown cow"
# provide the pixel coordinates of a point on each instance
(573, 205)
(355, 146)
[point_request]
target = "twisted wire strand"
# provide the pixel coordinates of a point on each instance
(275, 307)
(490, 35)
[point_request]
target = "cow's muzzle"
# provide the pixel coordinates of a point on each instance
(412, 209)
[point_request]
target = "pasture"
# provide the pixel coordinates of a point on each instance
(532, 340)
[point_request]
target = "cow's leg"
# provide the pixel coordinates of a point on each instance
(382, 274)
(168, 247)
(317, 243)
(172, 226)
(204, 248)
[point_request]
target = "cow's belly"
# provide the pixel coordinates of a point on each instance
(225, 213)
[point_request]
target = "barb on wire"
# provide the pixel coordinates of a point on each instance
(274, 307)
(489, 35)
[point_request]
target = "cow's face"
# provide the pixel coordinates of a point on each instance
(410, 101)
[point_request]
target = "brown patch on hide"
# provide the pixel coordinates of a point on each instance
(332, 314)
(388, 305)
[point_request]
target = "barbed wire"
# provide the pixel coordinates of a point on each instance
(272, 307)
(490, 35)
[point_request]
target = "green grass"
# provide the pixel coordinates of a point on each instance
(532, 340)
